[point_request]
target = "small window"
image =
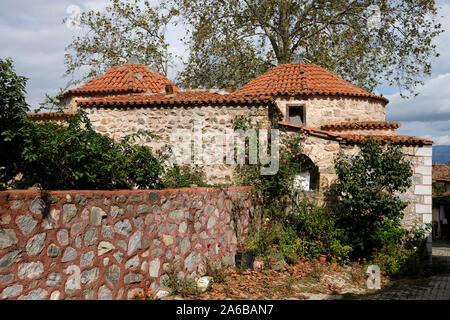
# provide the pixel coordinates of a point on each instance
(296, 115)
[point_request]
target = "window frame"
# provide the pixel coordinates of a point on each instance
(292, 106)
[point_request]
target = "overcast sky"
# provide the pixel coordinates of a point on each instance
(33, 35)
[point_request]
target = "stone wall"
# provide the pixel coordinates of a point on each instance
(419, 211)
(162, 121)
(420, 193)
(320, 110)
(110, 244)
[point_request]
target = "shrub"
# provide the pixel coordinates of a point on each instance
(317, 232)
(76, 157)
(274, 193)
(369, 209)
(178, 282)
(407, 257)
(306, 232)
(183, 177)
(13, 116)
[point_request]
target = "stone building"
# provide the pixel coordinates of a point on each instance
(335, 115)
(441, 202)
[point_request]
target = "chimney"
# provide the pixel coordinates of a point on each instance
(169, 88)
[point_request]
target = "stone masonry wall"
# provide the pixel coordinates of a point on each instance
(110, 244)
(419, 210)
(324, 110)
(162, 121)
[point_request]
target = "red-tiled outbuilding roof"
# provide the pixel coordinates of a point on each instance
(190, 97)
(357, 138)
(133, 78)
(361, 125)
(302, 79)
(441, 172)
(51, 115)
(396, 139)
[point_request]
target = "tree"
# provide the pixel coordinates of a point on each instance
(369, 208)
(233, 41)
(125, 31)
(13, 115)
(241, 37)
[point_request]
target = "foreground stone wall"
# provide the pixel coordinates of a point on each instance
(110, 244)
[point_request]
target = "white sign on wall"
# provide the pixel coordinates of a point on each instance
(302, 181)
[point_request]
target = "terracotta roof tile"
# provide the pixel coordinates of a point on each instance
(355, 138)
(51, 115)
(178, 97)
(312, 131)
(361, 125)
(396, 139)
(302, 79)
(441, 172)
(125, 78)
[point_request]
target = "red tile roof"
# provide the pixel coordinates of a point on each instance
(302, 79)
(51, 115)
(125, 78)
(441, 172)
(312, 131)
(178, 97)
(396, 139)
(361, 125)
(355, 138)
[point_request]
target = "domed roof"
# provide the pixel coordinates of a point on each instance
(302, 79)
(130, 77)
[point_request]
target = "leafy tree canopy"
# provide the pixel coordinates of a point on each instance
(125, 31)
(232, 41)
(13, 113)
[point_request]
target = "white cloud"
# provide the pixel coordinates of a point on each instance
(441, 140)
(432, 104)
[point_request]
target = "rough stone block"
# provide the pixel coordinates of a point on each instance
(423, 208)
(424, 151)
(423, 170)
(425, 190)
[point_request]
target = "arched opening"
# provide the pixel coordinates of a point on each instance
(306, 182)
(308, 178)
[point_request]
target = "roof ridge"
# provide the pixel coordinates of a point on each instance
(297, 78)
(124, 78)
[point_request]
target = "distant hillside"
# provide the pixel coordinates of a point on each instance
(441, 154)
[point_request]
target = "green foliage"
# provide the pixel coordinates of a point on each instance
(124, 30)
(13, 116)
(406, 257)
(231, 40)
(438, 188)
(317, 233)
(274, 193)
(368, 209)
(76, 157)
(178, 282)
(183, 177)
(307, 232)
(216, 271)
